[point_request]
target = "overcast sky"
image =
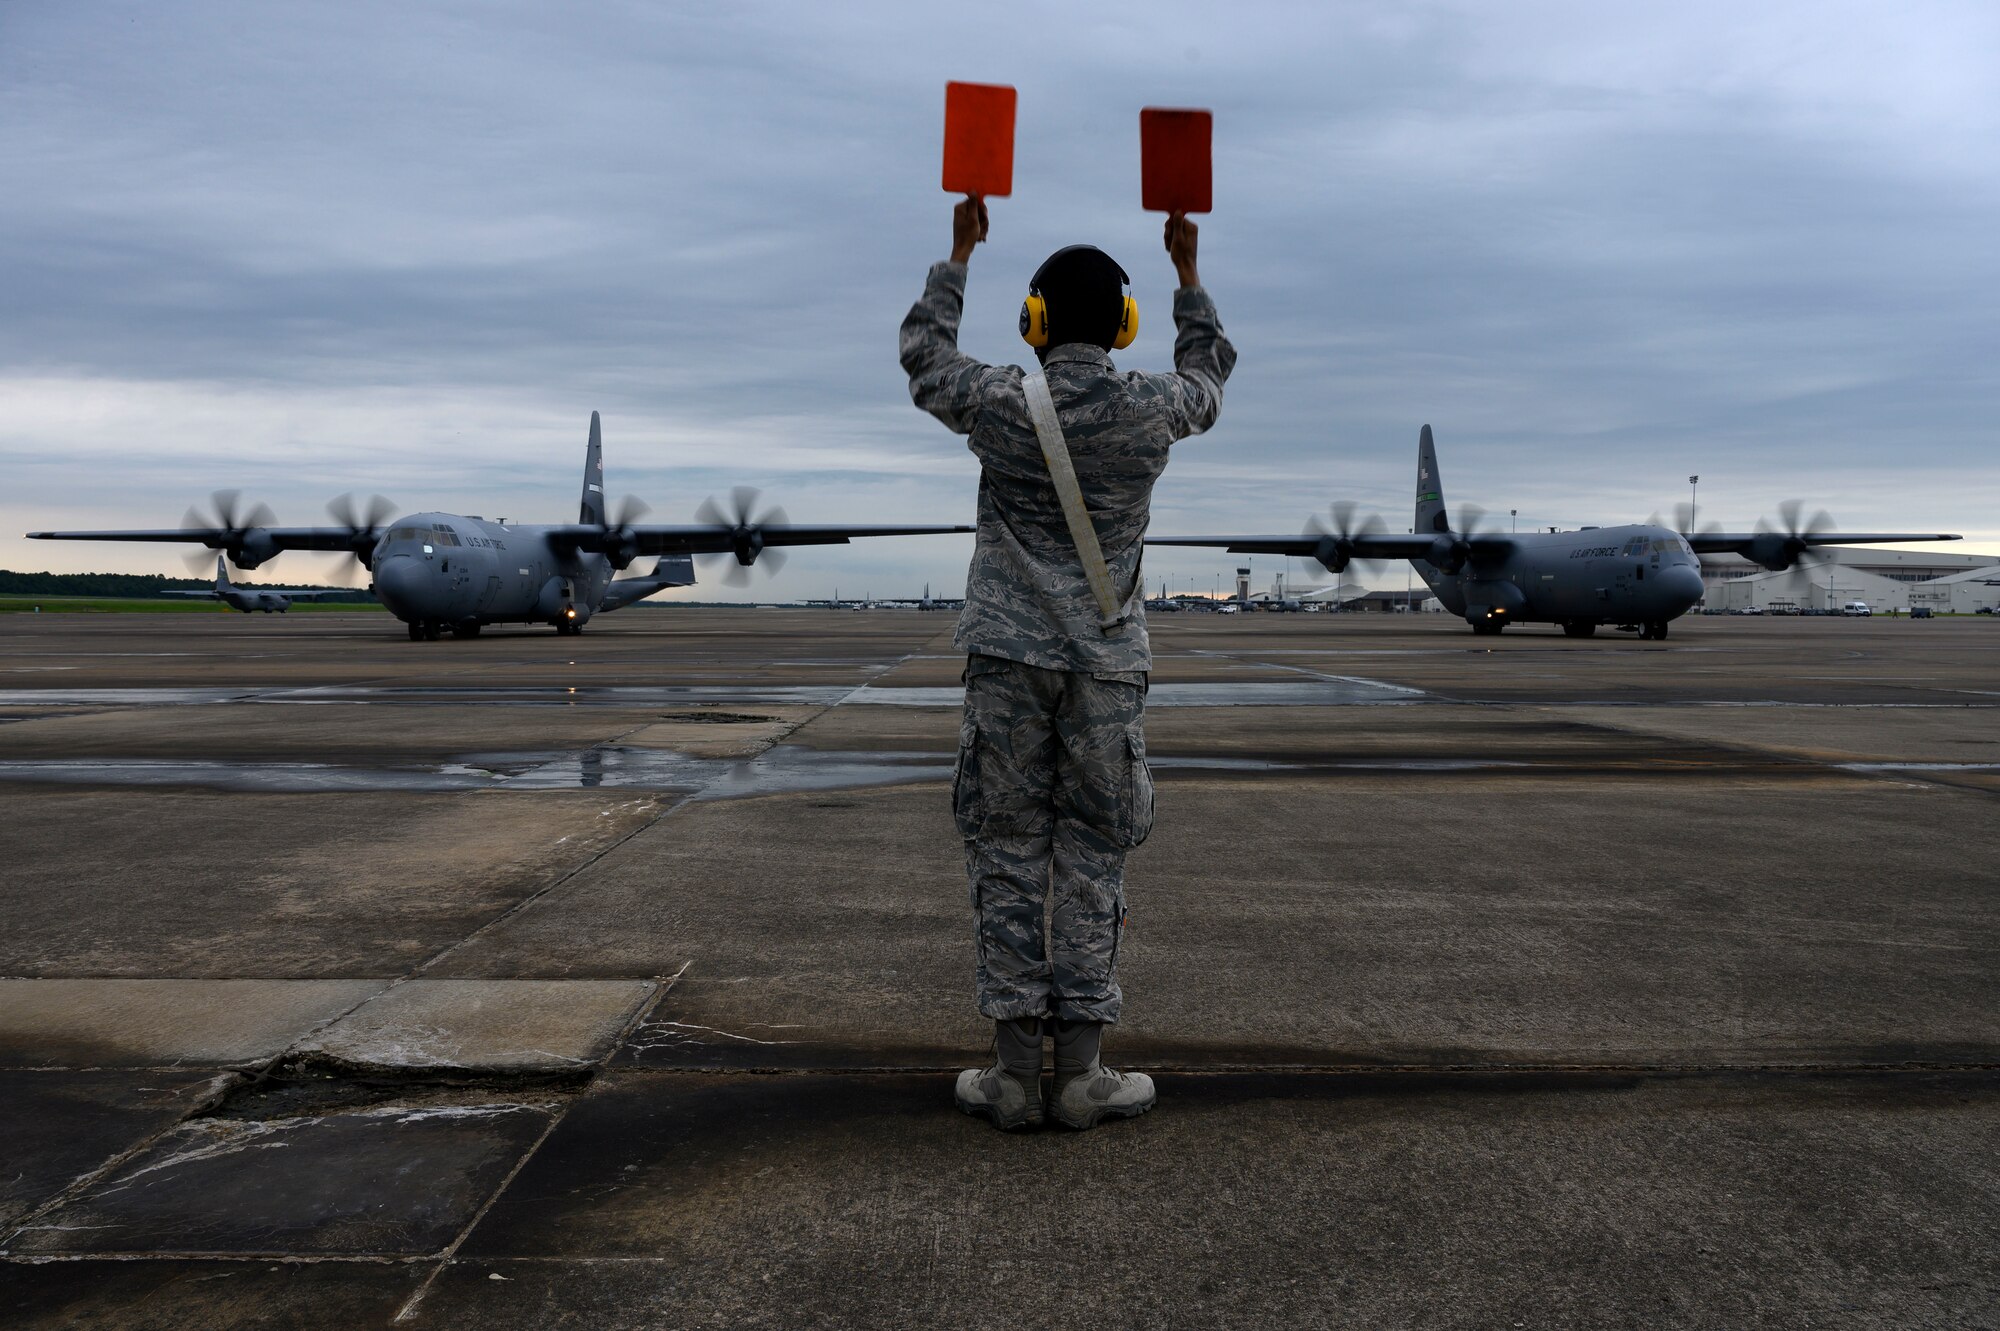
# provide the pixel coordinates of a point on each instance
(408, 248)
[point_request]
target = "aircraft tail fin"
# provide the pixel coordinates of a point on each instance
(221, 572)
(1430, 488)
(592, 508)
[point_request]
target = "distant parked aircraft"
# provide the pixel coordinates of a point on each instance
(271, 600)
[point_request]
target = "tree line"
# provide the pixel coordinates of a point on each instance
(138, 585)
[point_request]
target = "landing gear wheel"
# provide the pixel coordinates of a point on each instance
(468, 629)
(1487, 628)
(1656, 630)
(1578, 628)
(416, 627)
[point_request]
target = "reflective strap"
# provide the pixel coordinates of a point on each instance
(1042, 411)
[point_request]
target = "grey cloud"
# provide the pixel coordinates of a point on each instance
(1596, 250)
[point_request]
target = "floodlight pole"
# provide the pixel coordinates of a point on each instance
(1693, 483)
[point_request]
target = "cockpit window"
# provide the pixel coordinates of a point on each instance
(427, 535)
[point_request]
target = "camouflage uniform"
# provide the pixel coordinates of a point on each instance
(1051, 787)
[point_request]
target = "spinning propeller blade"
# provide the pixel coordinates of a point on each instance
(1336, 550)
(226, 512)
(363, 525)
(747, 533)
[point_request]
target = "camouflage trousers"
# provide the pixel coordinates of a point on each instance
(1050, 791)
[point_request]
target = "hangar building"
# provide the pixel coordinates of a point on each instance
(1964, 593)
(1885, 579)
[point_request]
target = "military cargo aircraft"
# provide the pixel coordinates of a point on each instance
(439, 571)
(1644, 575)
(270, 600)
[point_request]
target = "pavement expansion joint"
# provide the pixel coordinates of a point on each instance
(311, 1086)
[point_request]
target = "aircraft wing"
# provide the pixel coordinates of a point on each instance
(1308, 545)
(1739, 542)
(710, 539)
(1779, 550)
(207, 591)
(220, 538)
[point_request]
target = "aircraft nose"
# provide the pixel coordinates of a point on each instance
(1682, 583)
(399, 585)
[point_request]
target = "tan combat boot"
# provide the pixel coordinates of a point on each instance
(1085, 1090)
(1009, 1092)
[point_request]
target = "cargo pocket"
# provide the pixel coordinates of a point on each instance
(967, 806)
(1135, 812)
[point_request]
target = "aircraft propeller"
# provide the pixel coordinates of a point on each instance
(1335, 550)
(620, 548)
(1684, 522)
(243, 542)
(364, 526)
(1451, 549)
(747, 533)
(1780, 546)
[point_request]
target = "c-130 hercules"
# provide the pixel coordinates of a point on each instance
(439, 571)
(1643, 574)
(248, 599)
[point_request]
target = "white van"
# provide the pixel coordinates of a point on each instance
(1856, 608)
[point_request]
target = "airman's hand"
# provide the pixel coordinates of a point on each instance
(1181, 237)
(968, 227)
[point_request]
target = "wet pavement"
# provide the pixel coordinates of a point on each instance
(619, 981)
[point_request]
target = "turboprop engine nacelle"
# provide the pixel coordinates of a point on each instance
(1776, 550)
(1448, 553)
(255, 548)
(1333, 553)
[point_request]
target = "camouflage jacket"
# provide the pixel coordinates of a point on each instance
(1026, 598)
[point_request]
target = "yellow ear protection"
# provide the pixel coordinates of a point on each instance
(1035, 320)
(1034, 325)
(1127, 320)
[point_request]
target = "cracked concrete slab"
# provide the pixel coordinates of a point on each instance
(392, 1181)
(483, 1026)
(60, 1126)
(156, 1023)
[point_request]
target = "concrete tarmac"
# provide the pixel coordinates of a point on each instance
(619, 981)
